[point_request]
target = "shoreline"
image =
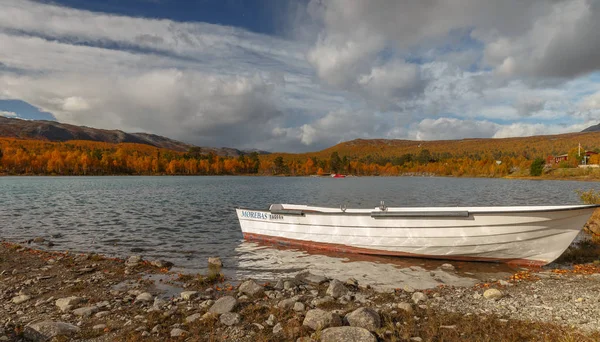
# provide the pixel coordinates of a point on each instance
(507, 177)
(96, 298)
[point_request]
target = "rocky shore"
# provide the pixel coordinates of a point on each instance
(62, 296)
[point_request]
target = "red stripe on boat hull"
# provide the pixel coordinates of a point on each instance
(339, 248)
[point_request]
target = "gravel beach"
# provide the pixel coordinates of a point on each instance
(62, 296)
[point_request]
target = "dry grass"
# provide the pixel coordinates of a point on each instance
(434, 325)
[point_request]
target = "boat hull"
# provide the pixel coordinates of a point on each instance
(532, 236)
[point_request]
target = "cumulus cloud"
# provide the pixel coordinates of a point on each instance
(347, 69)
(8, 114)
(452, 128)
(591, 102)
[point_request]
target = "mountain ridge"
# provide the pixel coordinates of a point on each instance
(59, 132)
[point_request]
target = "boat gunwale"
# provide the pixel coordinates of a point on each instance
(460, 212)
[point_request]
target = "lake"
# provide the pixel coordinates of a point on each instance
(187, 219)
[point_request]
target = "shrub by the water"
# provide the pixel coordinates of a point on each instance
(537, 167)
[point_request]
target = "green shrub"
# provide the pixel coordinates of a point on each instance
(537, 167)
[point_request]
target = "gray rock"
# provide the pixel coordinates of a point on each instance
(251, 288)
(318, 319)
(215, 262)
(102, 314)
(144, 297)
(161, 263)
(85, 311)
(133, 260)
(223, 305)
(158, 302)
(193, 318)
(280, 285)
(21, 299)
(178, 332)
(99, 327)
(418, 297)
(322, 300)
(347, 334)
(405, 306)
(271, 320)
(66, 304)
(188, 295)
(408, 288)
(230, 318)
(287, 304)
(289, 284)
(492, 294)
(336, 289)
(308, 278)
(277, 329)
(46, 330)
(299, 307)
(352, 282)
(448, 267)
(366, 318)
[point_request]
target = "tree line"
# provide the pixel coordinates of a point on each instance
(36, 157)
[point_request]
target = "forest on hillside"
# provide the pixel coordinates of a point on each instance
(475, 158)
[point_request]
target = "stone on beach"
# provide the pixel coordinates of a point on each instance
(215, 262)
(308, 278)
(223, 305)
(405, 307)
(47, 330)
(418, 297)
(85, 311)
(366, 318)
(161, 263)
(193, 318)
(318, 319)
(178, 332)
(144, 297)
(251, 288)
(21, 299)
(188, 295)
(230, 318)
(447, 267)
(492, 294)
(336, 289)
(347, 334)
(133, 260)
(66, 304)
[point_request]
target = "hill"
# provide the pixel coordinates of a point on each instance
(56, 131)
(466, 157)
(595, 128)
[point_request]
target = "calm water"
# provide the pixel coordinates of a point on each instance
(187, 219)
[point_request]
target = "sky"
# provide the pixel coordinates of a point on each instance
(303, 75)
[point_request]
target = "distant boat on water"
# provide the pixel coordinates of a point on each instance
(523, 235)
(337, 175)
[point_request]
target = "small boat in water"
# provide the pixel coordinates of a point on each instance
(523, 235)
(337, 175)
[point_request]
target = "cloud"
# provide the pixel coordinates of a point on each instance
(7, 114)
(451, 128)
(342, 70)
(591, 102)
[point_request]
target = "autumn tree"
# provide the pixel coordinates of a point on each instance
(335, 163)
(279, 165)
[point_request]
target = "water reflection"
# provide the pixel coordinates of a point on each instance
(269, 261)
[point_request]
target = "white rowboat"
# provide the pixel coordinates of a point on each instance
(523, 235)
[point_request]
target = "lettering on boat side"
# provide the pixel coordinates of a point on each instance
(261, 216)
